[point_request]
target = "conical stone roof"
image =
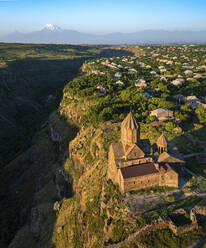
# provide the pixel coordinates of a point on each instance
(130, 122)
(162, 141)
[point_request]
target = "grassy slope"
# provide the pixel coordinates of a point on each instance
(32, 72)
(92, 210)
(84, 219)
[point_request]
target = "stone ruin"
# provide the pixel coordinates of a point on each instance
(186, 223)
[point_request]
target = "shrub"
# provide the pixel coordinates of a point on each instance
(201, 114)
(170, 126)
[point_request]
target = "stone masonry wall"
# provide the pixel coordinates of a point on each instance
(141, 182)
(161, 223)
(165, 222)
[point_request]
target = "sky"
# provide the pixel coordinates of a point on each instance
(102, 16)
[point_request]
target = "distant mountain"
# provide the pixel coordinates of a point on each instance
(51, 27)
(53, 34)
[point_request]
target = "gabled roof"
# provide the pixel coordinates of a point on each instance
(160, 111)
(167, 158)
(165, 168)
(131, 148)
(138, 170)
(101, 86)
(120, 149)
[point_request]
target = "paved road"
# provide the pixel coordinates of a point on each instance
(194, 175)
(194, 154)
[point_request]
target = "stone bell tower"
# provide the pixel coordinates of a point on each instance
(130, 130)
(162, 145)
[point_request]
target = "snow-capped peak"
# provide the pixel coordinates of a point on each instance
(51, 27)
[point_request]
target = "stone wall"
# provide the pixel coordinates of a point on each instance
(177, 230)
(170, 179)
(112, 172)
(200, 210)
(159, 224)
(163, 223)
(129, 136)
(200, 213)
(135, 161)
(141, 182)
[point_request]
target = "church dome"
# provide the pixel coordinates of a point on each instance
(130, 122)
(162, 144)
(130, 130)
(162, 141)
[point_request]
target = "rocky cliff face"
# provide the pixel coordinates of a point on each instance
(49, 183)
(38, 178)
(28, 94)
(74, 204)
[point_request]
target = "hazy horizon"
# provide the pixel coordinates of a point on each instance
(103, 17)
(106, 33)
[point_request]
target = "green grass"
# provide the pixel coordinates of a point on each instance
(199, 131)
(161, 210)
(199, 169)
(169, 198)
(71, 170)
(165, 239)
(155, 189)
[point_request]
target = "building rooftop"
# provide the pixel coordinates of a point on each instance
(162, 141)
(138, 170)
(167, 158)
(129, 122)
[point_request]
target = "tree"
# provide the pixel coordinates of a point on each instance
(186, 108)
(150, 119)
(105, 114)
(170, 126)
(201, 114)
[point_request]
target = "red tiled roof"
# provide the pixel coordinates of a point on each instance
(138, 170)
(101, 86)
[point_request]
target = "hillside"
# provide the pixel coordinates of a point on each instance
(31, 81)
(93, 212)
(32, 78)
(67, 199)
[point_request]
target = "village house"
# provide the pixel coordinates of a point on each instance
(198, 75)
(102, 88)
(118, 75)
(193, 101)
(96, 72)
(178, 81)
(162, 114)
(188, 72)
(132, 164)
(119, 82)
(162, 69)
(140, 83)
(153, 73)
(163, 79)
(131, 70)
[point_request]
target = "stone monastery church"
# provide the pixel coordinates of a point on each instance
(134, 164)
